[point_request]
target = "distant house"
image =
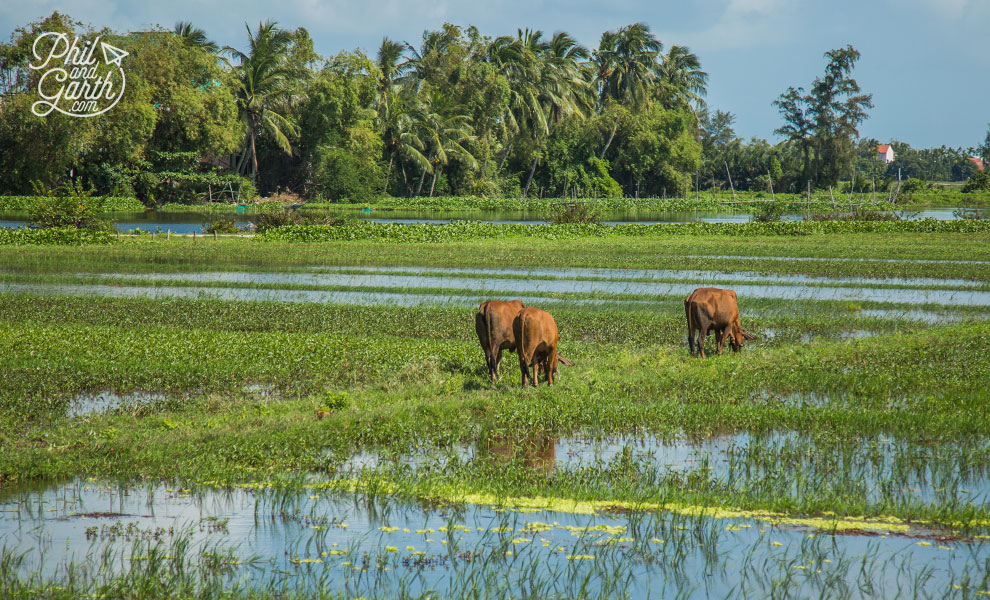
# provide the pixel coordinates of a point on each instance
(885, 153)
(978, 162)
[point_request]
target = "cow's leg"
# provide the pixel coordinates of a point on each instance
(702, 338)
(524, 368)
(552, 366)
(722, 335)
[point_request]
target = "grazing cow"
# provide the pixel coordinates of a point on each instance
(710, 309)
(493, 324)
(536, 337)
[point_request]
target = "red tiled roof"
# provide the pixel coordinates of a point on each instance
(977, 161)
(882, 149)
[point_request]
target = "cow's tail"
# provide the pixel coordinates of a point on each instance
(690, 326)
(490, 316)
(564, 361)
(746, 335)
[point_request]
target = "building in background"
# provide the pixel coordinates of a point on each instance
(885, 153)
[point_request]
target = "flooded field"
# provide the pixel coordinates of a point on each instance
(222, 421)
(411, 286)
(85, 533)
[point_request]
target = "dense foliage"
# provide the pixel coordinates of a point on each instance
(460, 114)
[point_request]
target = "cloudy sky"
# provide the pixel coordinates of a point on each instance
(926, 62)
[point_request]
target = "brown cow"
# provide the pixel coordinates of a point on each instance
(493, 324)
(536, 336)
(710, 309)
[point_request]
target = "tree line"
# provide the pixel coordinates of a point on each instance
(457, 113)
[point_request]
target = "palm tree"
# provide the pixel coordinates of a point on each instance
(681, 71)
(195, 36)
(265, 89)
(401, 139)
(547, 81)
(444, 137)
(626, 68)
(391, 71)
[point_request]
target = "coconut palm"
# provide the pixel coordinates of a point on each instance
(400, 136)
(392, 67)
(195, 36)
(680, 71)
(265, 90)
(547, 82)
(626, 67)
(444, 137)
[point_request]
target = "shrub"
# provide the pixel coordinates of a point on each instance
(574, 212)
(978, 182)
(220, 225)
(767, 212)
(69, 205)
(275, 218)
(913, 184)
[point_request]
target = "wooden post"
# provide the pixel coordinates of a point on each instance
(214, 236)
(770, 179)
(731, 187)
(168, 234)
(194, 236)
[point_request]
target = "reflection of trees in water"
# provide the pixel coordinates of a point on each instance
(535, 452)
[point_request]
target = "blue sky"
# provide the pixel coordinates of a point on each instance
(926, 62)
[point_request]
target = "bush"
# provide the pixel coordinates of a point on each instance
(220, 225)
(338, 174)
(574, 212)
(978, 182)
(767, 212)
(69, 205)
(275, 218)
(913, 184)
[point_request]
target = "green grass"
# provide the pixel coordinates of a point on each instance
(241, 380)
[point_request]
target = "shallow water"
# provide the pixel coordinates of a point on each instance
(358, 546)
(924, 473)
(702, 276)
(101, 402)
(842, 259)
(502, 286)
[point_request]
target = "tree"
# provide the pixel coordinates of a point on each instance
(985, 149)
(625, 69)
(195, 36)
(265, 80)
(825, 121)
(682, 77)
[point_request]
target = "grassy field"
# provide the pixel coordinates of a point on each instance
(845, 415)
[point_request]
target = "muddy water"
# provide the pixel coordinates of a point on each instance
(316, 540)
